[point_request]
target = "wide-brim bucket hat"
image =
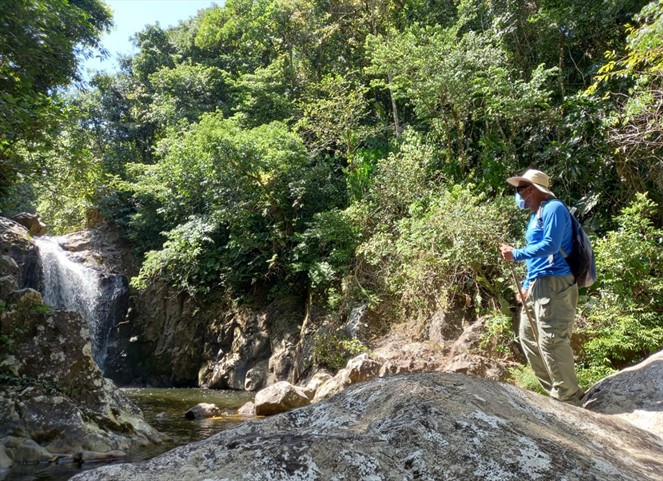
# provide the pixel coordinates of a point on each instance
(534, 177)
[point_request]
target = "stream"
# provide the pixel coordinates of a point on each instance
(164, 409)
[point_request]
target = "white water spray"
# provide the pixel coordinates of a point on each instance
(75, 287)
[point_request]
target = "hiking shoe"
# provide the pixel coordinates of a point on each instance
(576, 399)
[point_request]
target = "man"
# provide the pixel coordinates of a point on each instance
(550, 290)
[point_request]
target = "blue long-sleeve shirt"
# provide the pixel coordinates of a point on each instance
(545, 237)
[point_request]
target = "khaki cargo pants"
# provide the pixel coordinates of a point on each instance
(552, 304)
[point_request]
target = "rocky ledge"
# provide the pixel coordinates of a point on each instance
(420, 426)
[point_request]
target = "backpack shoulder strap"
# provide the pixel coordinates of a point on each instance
(539, 215)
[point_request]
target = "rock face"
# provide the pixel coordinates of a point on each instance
(434, 426)
(634, 394)
(101, 247)
(31, 222)
(54, 400)
(68, 407)
(17, 249)
(174, 339)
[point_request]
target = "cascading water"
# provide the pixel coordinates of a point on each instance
(96, 296)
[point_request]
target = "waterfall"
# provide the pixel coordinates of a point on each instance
(100, 298)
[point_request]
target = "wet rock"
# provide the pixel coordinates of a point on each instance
(279, 398)
(431, 426)
(248, 409)
(24, 451)
(54, 401)
(68, 407)
(101, 247)
(7, 286)
(9, 275)
(25, 298)
(96, 457)
(202, 411)
(5, 460)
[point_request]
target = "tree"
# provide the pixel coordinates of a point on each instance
(566, 34)
(185, 92)
(636, 125)
(249, 190)
(40, 41)
(465, 92)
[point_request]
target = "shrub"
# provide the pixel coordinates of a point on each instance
(443, 248)
(326, 249)
(332, 351)
(498, 335)
(625, 310)
(188, 259)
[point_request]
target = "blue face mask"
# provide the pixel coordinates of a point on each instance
(520, 202)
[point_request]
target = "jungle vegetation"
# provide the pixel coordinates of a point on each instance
(353, 151)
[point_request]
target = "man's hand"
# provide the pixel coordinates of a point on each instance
(507, 252)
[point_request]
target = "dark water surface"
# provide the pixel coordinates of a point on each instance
(164, 409)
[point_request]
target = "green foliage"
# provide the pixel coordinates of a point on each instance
(445, 247)
(462, 86)
(635, 130)
(24, 382)
(255, 188)
(588, 376)
(334, 352)
(41, 309)
(625, 312)
(498, 334)
(39, 43)
(156, 52)
(6, 343)
(71, 179)
(326, 249)
(367, 153)
(332, 115)
(185, 92)
(8, 336)
(188, 258)
(264, 95)
(403, 178)
(524, 377)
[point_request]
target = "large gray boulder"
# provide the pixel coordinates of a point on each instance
(430, 426)
(69, 407)
(279, 398)
(634, 394)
